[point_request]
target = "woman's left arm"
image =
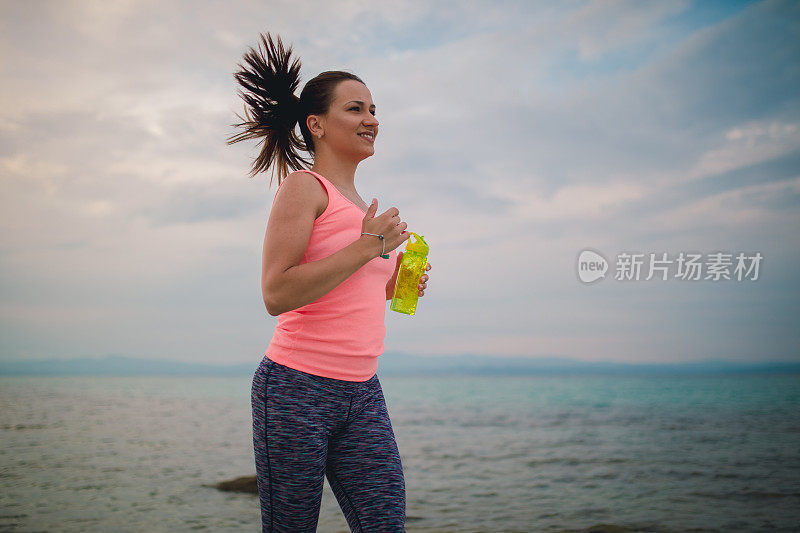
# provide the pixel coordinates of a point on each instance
(423, 280)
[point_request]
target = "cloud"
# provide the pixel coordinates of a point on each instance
(512, 136)
(574, 202)
(604, 26)
(746, 145)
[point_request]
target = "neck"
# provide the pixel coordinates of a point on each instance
(340, 172)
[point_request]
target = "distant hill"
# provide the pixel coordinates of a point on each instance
(481, 364)
(390, 364)
(119, 365)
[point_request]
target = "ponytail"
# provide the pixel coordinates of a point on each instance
(272, 109)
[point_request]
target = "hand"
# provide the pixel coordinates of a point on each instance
(390, 284)
(387, 224)
(423, 280)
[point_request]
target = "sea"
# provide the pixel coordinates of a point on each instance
(480, 453)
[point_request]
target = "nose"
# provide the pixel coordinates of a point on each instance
(371, 120)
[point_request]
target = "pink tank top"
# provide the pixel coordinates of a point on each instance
(340, 335)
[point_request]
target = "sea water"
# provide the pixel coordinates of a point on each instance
(480, 453)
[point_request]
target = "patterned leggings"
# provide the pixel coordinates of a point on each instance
(306, 427)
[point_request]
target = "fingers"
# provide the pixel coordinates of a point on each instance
(425, 277)
(423, 281)
(373, 208)
(390, 224)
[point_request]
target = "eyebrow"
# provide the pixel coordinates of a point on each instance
(358, 102)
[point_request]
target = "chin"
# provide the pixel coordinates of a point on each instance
(363, 155)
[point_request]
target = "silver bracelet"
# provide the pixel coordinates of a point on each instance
(383, 254)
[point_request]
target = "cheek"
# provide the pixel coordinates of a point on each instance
(344, 127)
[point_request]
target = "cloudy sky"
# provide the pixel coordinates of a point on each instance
(514, 135)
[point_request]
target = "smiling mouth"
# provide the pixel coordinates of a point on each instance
(367, 135)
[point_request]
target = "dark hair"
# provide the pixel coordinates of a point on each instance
(273, 110)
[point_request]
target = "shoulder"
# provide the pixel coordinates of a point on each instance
(303, 189)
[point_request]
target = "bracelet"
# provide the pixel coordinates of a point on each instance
(383, 254)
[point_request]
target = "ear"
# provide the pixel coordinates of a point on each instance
(316, 125)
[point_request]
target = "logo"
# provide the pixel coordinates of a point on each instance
(591, 266)
(689, 266)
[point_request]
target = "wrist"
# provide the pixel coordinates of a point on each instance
(371, 246)
(383, 253)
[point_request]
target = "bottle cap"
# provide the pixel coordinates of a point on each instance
(419, 246)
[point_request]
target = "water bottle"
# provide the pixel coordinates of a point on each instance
(412, 266)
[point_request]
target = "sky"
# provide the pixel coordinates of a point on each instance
(513, 136)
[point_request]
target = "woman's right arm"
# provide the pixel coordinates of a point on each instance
(285, 283)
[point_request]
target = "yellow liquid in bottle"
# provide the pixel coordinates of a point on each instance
(406, 289)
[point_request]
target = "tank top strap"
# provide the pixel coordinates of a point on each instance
(333, 193)
(329, 187)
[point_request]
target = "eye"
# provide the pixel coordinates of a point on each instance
(355, 107)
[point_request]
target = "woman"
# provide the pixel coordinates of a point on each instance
(328, 268)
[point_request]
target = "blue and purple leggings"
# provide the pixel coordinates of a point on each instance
(306, 427)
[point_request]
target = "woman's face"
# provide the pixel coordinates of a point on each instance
(350, 127)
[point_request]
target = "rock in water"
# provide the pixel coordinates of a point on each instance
(607, 528)
(240, 484)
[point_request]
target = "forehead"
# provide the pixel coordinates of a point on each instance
(352, 90)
